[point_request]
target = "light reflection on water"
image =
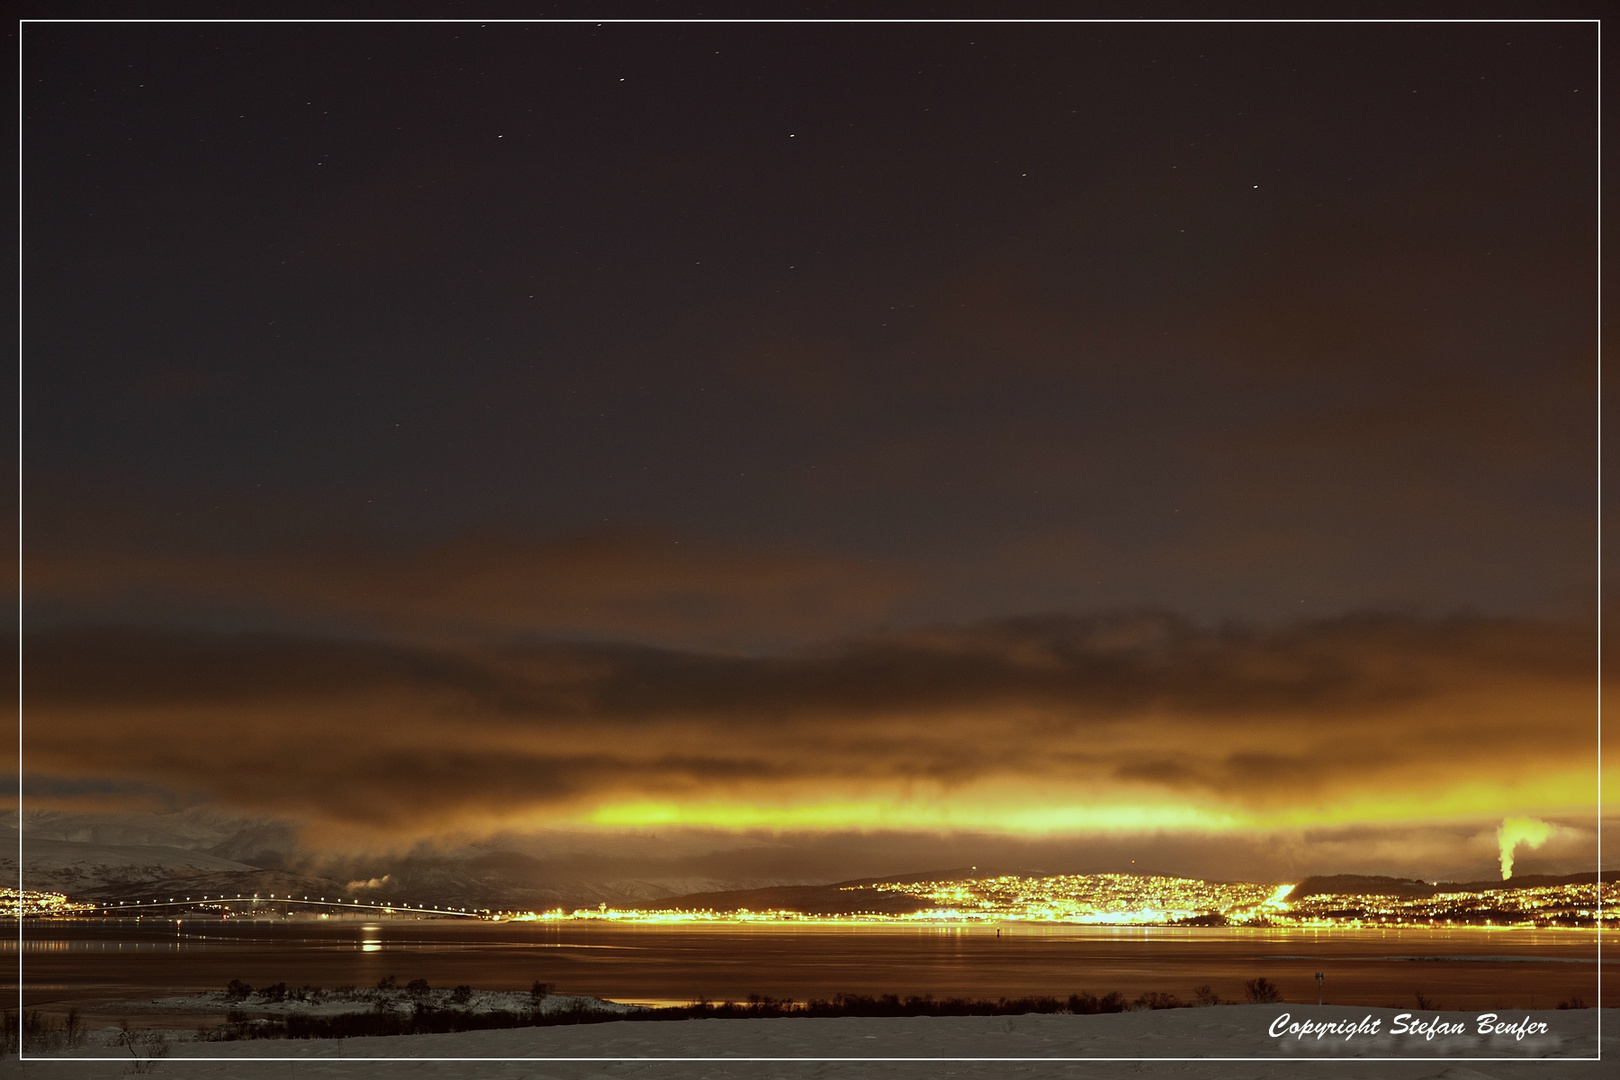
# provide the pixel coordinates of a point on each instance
(84, 960)
(190, 940)
(89, 946)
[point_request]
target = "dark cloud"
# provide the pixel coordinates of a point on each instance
(645, 586)
(1147, 709)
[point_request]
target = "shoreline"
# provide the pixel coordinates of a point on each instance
(541, 1006)
(1189, 1043)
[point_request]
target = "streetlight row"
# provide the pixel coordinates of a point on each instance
(470, 912)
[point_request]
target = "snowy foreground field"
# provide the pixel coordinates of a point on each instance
(1135, 1038)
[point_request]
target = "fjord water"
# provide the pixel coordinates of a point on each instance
(81, 962)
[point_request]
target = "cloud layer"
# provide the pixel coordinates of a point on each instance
(640, 585)
(1040, 724)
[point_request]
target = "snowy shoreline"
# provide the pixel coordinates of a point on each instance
(348, 1000)
(1137, 1042)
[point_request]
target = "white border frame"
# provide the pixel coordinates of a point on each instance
(1597, 22)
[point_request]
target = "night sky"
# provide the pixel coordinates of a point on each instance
(1047, 430)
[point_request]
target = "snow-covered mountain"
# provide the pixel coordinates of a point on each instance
(99, 856)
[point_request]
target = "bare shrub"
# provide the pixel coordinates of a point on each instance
(41, 1034)
(1087, 1004)
(1261, 991)
(1155, 999)
(146, 1047)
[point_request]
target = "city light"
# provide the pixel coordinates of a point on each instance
(30, 902)
(1059, 899)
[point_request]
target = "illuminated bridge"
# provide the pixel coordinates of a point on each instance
(115, 908)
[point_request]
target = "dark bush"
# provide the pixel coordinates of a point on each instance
(1205, 996)
(277, 992)
(1261, 991)
(41, 1033)
(388, 982)
(237, 989)
(892, 1005)
(461, 995)
(1153, 999)
(427, 1019)
(417, 987)
(1572, 1003)
(1087, 1004)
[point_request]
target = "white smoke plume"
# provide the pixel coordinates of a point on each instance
(1516, 831)
(374, 883)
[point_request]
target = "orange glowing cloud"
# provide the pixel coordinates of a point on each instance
(1033, 726)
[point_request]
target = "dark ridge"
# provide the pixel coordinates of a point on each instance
(1367, 885)
(1361, 885)
(1519, 881)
